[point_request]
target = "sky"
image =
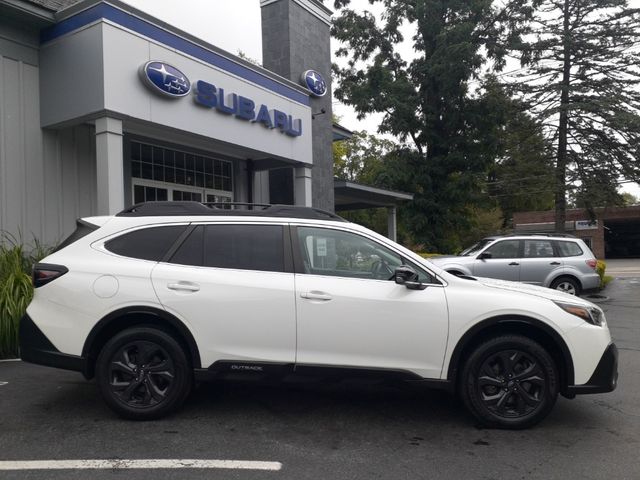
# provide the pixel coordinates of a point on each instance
(235, 26)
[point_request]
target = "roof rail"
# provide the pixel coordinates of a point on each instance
(161, 209)
(540, 234)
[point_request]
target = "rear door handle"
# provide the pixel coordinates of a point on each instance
(514, 263)
(554, 263)
(184, 286)
(316, 296)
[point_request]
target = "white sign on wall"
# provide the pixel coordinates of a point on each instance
(586, 224)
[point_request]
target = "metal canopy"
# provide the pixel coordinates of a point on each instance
(355, 196)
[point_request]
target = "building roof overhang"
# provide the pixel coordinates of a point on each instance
(355, 196)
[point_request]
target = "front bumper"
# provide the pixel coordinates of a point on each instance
(604, 378)
(36, 348)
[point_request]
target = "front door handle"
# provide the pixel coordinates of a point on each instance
(514, 264)
(184, 286)
(316, 296)
(554, 263)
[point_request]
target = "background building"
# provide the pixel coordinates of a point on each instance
(84, 130)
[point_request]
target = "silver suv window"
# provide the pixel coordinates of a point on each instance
(569, 249)
(538, 249)
(504, 249)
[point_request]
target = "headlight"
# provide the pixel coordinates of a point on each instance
(593, 315)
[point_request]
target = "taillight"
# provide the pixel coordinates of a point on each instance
(44, 273)
(592, 263)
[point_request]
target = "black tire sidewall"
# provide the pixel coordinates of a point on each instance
(470, 374)
(179, 389)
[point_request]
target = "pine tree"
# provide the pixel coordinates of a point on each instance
(427, 101)
(581, 80)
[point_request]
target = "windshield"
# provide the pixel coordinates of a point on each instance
(475, 248)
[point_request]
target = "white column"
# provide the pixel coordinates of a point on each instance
(302, 186)
(391, 223)
(109, 165)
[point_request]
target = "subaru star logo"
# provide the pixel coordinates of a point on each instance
(314, 82)
(165, 79)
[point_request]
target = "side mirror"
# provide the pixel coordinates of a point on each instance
(484, 256)
(407, 276)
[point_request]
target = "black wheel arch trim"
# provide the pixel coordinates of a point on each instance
(473, 332)
(176, 323)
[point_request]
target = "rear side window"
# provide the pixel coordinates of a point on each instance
(569, 249)
(242, 247)
(538, 249)
(147, 243)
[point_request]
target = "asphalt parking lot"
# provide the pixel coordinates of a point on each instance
(325, 430)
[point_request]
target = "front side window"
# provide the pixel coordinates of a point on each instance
(538, 249)
(344, 254)
(147, 243)
(504, 249)
(242, 247)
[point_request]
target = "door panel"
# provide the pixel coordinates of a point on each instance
(230, 283)
(538, 261)
(504, 262)
(233, 314)
(353, 315)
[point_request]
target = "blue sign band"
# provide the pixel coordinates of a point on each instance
(143, 27)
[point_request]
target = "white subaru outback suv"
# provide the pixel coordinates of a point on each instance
(165, 294)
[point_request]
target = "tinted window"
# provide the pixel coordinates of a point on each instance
(569, 249)
(243, 247)
(504, 249)
(147, 243)
(538, 248)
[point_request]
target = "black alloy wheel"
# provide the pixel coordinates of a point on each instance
(509, 381)
(143, 373)
(511, 384)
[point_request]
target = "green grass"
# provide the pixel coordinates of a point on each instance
(16, 290)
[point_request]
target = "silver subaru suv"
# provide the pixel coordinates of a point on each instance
(558, 261)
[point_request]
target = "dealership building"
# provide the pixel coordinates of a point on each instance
(103, 106)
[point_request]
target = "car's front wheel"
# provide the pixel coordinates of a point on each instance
(143, 373)
(509, 382)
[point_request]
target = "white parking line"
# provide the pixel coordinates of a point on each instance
(123, 464)
(11, 360)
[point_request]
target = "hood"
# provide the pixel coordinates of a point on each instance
(548, 293)
(443, 258)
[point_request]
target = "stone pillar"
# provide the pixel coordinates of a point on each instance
(109, 166)
(296, 38)
(302, 187)
(392, 230)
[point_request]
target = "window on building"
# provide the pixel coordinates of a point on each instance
(160, 173)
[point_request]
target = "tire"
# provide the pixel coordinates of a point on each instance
(567, 285)
(143, 373)
(500, 401)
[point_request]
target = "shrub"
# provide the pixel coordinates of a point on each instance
(16, 290)
(601, 267)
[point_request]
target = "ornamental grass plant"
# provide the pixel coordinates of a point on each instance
(16, 290)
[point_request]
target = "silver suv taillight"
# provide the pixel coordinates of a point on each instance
(593, 263)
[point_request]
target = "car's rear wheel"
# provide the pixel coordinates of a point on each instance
(143, 373)
(566, 285)
(509, 382)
